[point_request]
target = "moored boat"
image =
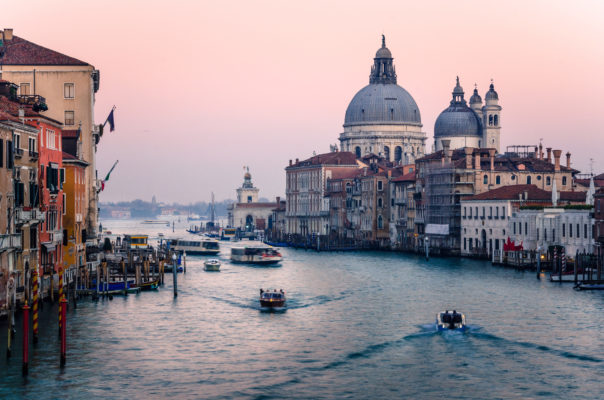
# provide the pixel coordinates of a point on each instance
(211, 265)
(450, 320)
(272, 299)
(256, 255)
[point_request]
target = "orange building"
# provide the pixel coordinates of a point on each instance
(74, 206)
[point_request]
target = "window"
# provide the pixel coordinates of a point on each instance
(503, 212)
(51, 139)
(496, 212)
(464, 212)
(528, 180)
(570, 230)
(526, 228)
(553, 235)
(380, 185)
(585, 231)
(563, 181)
(545, 235)
(498, 180)
(2, 156)
(475, 212)
(514, 228)
(538, 177)
(24, 89)
(392, 202)
(31, 146)
(490, 212)
(69, 90)
(380, 203)
(64, 203)
(17, 141)
(563, 230)
(9, 154)
(495, 119)
(485, 179)
(578, 231)
(380, 222)
(357, 151)
(464, 243)
(548, 181)
(470, 215)
(513, 177)
(387, 153)
(519, 228)
(537, 233)
(69, 118)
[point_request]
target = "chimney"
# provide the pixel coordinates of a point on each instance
(549, 155)
(389, 174)
(297, 161)
(290, 163)
(568, 160)
(468, 151)
(477, 160)
(278, 201)
(8, 34)
(557, 154)
(540, 155)
(492, 158)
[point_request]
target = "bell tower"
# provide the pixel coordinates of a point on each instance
(491, 115)
(247, 193)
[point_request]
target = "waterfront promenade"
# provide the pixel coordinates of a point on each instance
(357, 325)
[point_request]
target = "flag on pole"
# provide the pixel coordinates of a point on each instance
(111, 120)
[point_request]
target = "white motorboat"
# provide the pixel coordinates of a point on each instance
(260, 254)
(211, 265)
(450, 320)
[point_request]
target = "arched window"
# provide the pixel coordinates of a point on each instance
(528, 180)
(495, 119)
(380, 202)
(498, 180)
(490, 120)
(387, 153)
(398, 153)
(486, 179)
(548, 181)
(380, 222)
(357, 151)
(363, 114)
(563, 181)
(392, 114)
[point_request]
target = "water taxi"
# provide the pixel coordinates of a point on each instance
(272, 299)
(211, 265)
(256, 255)
(191, 246)
(450, 320)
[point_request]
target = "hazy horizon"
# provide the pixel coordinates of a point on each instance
(204, 88)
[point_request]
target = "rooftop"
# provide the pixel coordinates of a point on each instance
(18, 51)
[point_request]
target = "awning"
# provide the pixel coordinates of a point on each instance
(50, 246)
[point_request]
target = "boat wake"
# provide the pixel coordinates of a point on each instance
(547, 349)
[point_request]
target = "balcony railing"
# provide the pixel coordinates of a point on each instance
(33, 154)
(28, 216)
(10, 242)
(37, 102)
(18, 152)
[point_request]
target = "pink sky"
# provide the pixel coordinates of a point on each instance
(203, 88)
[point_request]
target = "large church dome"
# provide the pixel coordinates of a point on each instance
(457, 119)
(382, 101)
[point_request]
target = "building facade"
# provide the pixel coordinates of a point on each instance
(248, 214)
(383, 118)
(74, 188)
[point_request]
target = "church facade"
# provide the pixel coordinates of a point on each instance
(383, 118)
(248, 214)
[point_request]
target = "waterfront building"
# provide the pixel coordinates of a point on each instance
(402, 210)
(249, 214)
(19, 211)
(74, 207)
(569, 227)
(599, 225)
(279, 221)
(306, 183)
(383, 118)
(69, 86)
(485, 217)
(447, 176)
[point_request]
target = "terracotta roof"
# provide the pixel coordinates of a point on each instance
(573, 196)
(345, 173)
(70, 133)
(67, 156)
(533, 193)
(409, 177)
(19, 51)
(333, 158)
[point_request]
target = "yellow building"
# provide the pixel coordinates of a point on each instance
(74, 207)
(69, 86)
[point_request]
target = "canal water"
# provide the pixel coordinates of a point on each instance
(357, 325)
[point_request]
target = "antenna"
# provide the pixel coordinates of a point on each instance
(591, 166)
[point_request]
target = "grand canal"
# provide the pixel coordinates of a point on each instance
(357, 325)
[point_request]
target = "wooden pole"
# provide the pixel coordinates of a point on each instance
(36, 279)
(25, 367)
(576, 266)
(125, 275)
(63, 307)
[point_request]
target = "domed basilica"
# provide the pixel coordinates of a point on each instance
(383, 118)
(473, 126)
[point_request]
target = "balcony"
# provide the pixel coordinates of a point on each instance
(37, 102)
(18, 152)
(31, 215)
(10, 242)
(400, 202)
(34, 155)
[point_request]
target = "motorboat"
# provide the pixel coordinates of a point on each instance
(272, 299)
(450, 320)
(211, 265)
(228, 233)
(260, 254)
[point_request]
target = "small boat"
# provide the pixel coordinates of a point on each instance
(569, 276)
(450, 320)
(228, 233)
(272, 299)
(256, 255)
(211, 265)
(155, 222)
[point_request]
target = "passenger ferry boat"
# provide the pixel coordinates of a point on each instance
(134, 242)
(228, 233)
(272, 299)
(190, 246)
(256, 255)
(450, 320)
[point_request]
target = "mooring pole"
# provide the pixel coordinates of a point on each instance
(63, 306)
(125, 277)
(174, 274)
(36, 278)
(25, 368)
(9, 336)
(184, 262)
(538, 263)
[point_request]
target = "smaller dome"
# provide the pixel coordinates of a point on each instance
(475, 99)
(457, 121)
(491, 94)
(383, 52)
